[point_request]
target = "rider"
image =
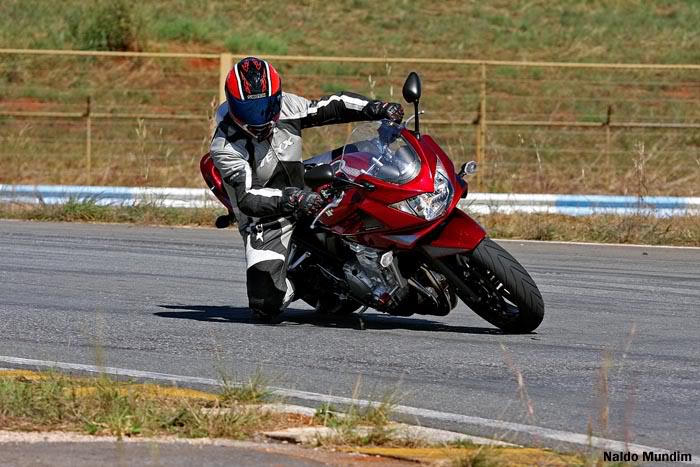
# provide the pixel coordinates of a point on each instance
(257, 149)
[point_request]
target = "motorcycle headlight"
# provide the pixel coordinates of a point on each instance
(430, 206)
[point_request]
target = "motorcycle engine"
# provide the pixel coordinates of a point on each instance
(374, 277)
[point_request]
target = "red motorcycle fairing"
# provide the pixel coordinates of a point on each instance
(212, 177)
(459, 234)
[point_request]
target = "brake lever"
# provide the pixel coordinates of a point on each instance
(333, 204)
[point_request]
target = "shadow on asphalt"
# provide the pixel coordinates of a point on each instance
(294, 316)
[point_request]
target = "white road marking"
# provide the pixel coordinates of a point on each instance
(540, 432)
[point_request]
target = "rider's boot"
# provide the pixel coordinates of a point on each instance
(274, 316)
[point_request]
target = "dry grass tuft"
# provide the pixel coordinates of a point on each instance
(360, 425)
(90, 211)
(103, 406)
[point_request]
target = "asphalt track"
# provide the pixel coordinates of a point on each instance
(173, 301)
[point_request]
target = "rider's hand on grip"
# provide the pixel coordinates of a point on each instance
(303, 202)
(377, 110)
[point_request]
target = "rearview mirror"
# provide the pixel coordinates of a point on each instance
(412, 88)
(411, 92)
(319, 175)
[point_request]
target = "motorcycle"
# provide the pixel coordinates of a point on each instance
(392, 238)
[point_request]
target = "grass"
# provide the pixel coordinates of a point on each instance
(579, 30)
(90, 211)
(102, 406)
(360, 425)
(254, 390)
(182, 29)
(479, 458)
(632, 229)
(255, 43)
(109, 25)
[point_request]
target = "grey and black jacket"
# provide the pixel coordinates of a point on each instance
(256, 173)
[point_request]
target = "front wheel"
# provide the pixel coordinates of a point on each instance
(505, 294)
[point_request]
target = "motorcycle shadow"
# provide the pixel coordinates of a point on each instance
(295, 316)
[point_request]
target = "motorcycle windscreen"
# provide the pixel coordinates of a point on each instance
(377, 149)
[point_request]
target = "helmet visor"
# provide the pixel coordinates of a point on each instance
(257, 111)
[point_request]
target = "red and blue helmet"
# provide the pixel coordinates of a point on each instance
(254, 95)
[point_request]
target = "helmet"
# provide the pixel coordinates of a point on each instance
(254, 95)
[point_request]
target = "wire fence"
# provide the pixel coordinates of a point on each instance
(145, 119)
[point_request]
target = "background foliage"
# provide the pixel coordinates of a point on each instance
(663, 31)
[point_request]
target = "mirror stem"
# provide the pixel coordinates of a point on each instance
(417, 131)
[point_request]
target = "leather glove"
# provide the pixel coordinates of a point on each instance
(377, 110)
(305, 202)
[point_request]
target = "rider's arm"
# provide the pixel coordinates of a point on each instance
(251, 197)
(342, 107)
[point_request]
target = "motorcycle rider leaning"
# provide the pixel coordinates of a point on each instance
(257, 149)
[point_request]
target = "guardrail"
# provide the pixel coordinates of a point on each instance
(482, 203)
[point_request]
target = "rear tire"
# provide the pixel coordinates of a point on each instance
(508, 296)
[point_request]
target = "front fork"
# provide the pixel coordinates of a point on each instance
(441, 265)
(459, 235)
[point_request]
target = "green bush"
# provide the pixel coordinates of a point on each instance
(108, 25)
(255, 43)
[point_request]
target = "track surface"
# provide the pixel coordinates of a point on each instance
(172, 301)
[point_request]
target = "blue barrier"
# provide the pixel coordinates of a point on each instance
(107, 195)
(476, 202)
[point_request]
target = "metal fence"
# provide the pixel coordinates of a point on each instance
(144, 119)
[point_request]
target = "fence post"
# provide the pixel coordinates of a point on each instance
(88, 140)
(607, 139)
(225, 65)
(477, 134)
(481, 130)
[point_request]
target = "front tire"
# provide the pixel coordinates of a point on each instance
(507, 295)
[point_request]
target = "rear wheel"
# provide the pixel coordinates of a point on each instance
(506, 295)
